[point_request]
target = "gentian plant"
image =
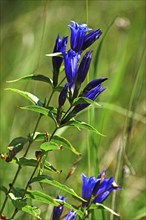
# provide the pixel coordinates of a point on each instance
(73, 97)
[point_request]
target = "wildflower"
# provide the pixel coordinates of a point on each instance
(91, 38)
(78, 32)
(63, 95)
(79, 39)
(60, 46)
(96, 190)
(84, 67)
(57, 211)
(87, 188)
(91, 91)
(82, 72)
(71, 65)
(71, 216)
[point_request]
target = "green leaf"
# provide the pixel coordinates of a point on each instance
(36, 108)
(32, 210)
(84, 100)
(101, 206)
(32, 98)
(50, 181)
(38, 77)
(65, 143)
(54, 54)
(83, 125)
(50, 112)
(17, 202)
(15, 146)
(48, 166)
(42, 197)
(27, 162)
(49, 146)
(18, 141)
(39, 136)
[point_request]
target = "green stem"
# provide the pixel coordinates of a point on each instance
(19, 167)
(31, 177)
(25, 154)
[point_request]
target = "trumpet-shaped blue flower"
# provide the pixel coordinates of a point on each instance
(60, 46)
(71, 65)
(91, 91)
(78, 32)
(71, 215)
(79, 39)
(91, 38)
(96, 190)
(84, 67)
(63, 95)
(57, 211)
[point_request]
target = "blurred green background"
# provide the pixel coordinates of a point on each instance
(28, 31)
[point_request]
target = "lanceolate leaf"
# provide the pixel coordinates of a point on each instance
(38, 77)
(36, 108)
(50, 181)
(27, 162)
(65, 143)
(49, 146)
(15, 147)
(48, 166)
(84, 100)
(101, 206)
(83, 125)
(42, 197)
(50, 112)
(39, 136)
(32, 98)
(32, 210)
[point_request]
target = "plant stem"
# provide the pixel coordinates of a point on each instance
(19, 167)
(31, 177)
(25, 154)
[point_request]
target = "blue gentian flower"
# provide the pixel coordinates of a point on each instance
(78, 32)
(91, 38)
(91, 91)
(71, 215)
(63, 95)
(84, 67)
(92, 84)
(79, 39)
(82, 72)
(57, 211)
(96, 190)
(87, 188)
(60, 46)
(71, 65)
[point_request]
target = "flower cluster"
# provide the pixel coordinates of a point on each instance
(94, 190)
(76, 69)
